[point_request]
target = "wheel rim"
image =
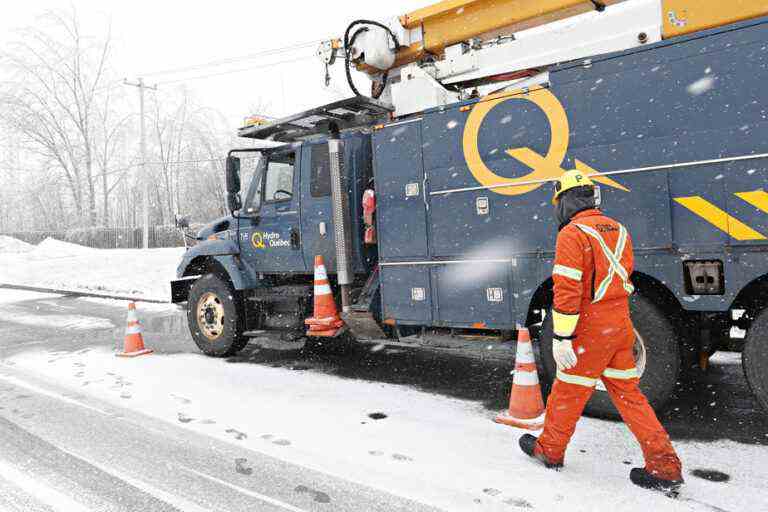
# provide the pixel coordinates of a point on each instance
(210, 316)
(640, 354)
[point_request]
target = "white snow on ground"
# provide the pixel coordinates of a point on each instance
(11, 296)
(434, 449)
(42, 493)
(10, 244)
(61, 265)
(72, 322)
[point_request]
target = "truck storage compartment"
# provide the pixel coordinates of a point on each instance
(406, 293)
(399, 175)
(473, 294)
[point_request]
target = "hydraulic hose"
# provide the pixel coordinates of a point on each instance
(350, 41)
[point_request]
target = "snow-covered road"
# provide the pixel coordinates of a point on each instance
(387, 429)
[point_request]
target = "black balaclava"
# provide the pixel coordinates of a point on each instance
(572, 202)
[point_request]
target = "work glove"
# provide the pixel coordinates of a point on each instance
(562, 351)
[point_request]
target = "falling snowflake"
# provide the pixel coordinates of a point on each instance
(701, 86)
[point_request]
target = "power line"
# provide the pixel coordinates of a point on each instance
(229, 72)
(232, 60)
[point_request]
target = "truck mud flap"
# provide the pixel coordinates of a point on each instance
(180, 290)
(363, 326)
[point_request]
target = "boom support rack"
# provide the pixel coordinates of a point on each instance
(340, 115)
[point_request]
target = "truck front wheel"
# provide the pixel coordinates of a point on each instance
(754, 358)
(215, 317)
(657, 358)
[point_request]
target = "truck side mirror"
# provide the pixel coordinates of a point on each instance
(233, 174)
(233, 183)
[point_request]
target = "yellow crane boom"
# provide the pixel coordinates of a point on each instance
(452, 21)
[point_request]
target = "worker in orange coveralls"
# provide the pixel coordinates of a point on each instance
(594, 337)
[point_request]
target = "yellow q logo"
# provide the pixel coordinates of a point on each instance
(257, 239)
(546, 167)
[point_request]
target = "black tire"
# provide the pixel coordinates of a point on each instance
(662, 367)
(222, 337)
(754, 358)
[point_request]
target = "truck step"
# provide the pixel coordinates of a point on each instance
(362, 325)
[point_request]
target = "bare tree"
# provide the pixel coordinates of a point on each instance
(58, 77)
(109, 151)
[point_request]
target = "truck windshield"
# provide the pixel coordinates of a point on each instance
(251, 171)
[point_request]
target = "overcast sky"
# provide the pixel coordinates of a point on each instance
(157, 35)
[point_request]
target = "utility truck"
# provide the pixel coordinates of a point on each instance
(429, 198)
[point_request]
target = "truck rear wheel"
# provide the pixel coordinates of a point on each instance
(754, 358)
(657, 357)
(215, 317)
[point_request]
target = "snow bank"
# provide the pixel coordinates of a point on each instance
(50, 247)
(9, 244)
(61, 265)
(437, 450)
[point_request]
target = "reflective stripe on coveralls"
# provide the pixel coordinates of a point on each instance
(611, 373)
(614, 260)
(572, 273)
(587, 382)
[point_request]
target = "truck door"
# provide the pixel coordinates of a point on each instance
(316, 212)
(273, 242)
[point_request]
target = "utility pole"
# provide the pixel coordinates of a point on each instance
(143, 147)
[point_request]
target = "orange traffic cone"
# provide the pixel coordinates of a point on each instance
(526, 407)
(326, 320)
(134, 342)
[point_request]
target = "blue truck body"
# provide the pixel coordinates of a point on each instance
(672, 106)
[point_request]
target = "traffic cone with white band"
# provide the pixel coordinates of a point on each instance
(526, 406)
(134, 341)
(326, 321)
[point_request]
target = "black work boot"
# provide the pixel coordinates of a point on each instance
(528, 445)
(642, 478)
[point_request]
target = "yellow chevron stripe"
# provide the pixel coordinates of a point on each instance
(719, 218)
(757, 198)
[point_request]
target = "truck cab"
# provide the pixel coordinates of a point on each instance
(282, 218)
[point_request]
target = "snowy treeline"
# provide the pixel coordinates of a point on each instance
(69, 137)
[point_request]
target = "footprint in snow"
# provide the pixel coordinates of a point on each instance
(238, 435)
(80, 375)
(183, 418)
(207, 422)
(401, 457)
(240, 466)
(279, 442)
(376, 453)
(79, 364)
(490, 491)
(181, 399)
(518, 502)
(125, 395)
(318, 496)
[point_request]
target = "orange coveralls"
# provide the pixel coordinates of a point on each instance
(593, 265)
